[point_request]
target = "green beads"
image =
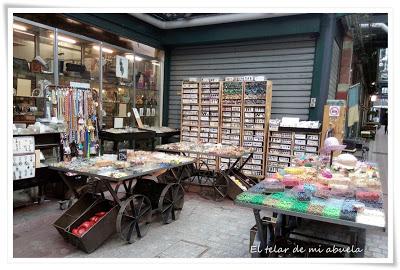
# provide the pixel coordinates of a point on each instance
(332, 212)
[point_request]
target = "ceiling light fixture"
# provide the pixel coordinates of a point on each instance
(138, 58)
(155, 62)
(19, 27)
(129, 56)
(373, 98)
(22, 32)
(65, 39)
(106, 50)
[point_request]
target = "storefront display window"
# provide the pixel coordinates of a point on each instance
(78, 61)
(147, 86)
(130, 77)
(117, 93)
(33, 54)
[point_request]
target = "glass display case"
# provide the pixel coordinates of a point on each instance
(33, 54)
(78, 61)
(124, 78)
(118, 85)
(147, 89)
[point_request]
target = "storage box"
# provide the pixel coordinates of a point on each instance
(86, 207)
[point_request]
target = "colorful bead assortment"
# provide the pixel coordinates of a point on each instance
(330, 194)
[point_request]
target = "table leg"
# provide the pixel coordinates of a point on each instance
(260, 230)
(131, 144)
(69, 184)
(357, 240)
(106, 184)
(115, 146)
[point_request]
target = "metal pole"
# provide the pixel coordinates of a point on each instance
(55, 50)
(101, 87)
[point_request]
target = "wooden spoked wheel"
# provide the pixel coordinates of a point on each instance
(171, 202)
(134, 217)
(220, 186)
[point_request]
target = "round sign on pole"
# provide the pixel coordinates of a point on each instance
(334, 111)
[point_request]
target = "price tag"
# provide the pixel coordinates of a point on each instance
(122, 154)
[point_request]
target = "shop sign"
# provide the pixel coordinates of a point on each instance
(334, 111)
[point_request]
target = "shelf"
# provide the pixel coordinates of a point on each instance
(281, 155)
(278, 161)
(231, 105)
(257, 129)
(281, 143)
(209, 104)
(29, 97)
(255, 105)
(231, 127)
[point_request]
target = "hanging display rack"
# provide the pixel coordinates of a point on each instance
(77, 108)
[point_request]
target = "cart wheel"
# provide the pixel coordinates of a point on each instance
(134, 217)
(171, 202)
(220, 186)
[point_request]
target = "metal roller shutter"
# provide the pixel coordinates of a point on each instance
(333, 80)
(288, 62)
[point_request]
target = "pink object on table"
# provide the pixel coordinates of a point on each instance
(368, 196)
(326, 174)
(290, 180)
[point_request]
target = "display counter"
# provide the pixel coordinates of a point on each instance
(132, 135)
(346, 194)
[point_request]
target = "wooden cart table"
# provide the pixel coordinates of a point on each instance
(204, 177)
(132, 135)
(134, 206)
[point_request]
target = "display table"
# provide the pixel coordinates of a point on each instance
(317, 198)
(163, 132)
(43, 141)
(218, 180)
(130, 210)
(132, 135)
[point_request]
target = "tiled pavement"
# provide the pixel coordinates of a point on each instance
(204, 229)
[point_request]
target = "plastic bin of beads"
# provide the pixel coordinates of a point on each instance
(290, 180)
(294, 170)
(335, 202)
(341, 191)
(300, 206)
(270, 202)
(340, 180)
(300, 193)
(347, 212)
(277, 195)
(250, 198)
(286, 203)
(267, 186)
(322, 180)
(315, 209)
(316, 206)
(310, 188)
(331, 212)
(366, 195)
(322, 193)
